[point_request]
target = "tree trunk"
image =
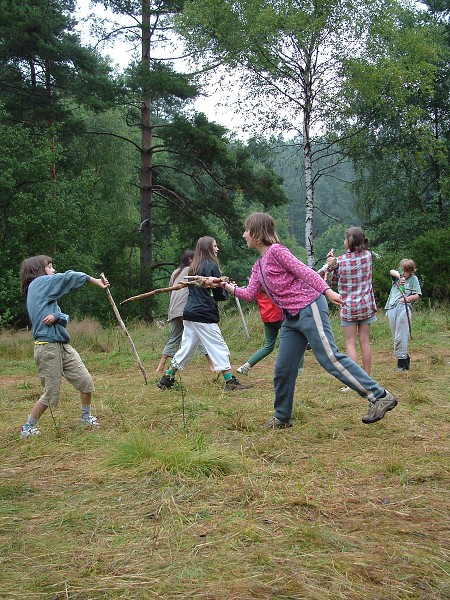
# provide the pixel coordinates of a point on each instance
(48, 85)
(309, 202)
(146, 258)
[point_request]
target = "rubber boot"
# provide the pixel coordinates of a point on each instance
(408, 361)
(402, 364)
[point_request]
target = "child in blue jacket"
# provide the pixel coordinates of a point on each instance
(54, 356)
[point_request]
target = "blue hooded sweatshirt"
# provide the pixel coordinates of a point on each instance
(42, 297)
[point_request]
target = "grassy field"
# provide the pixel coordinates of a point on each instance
(182, 493)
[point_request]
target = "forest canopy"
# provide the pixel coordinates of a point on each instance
(115, 171)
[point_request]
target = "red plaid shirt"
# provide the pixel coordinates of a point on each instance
(353, 278)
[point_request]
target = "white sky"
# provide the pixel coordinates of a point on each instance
(121, 53)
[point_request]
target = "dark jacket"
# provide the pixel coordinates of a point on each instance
(201, 306)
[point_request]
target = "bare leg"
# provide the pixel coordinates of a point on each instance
(162, 364)
(366, 350)
(38, 410)
(210, 363)
(350, 342)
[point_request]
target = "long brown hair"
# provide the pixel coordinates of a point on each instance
(357, 241)
(261, 227)
(203, 251)
(31, 268)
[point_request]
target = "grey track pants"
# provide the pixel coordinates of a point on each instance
(312, 325)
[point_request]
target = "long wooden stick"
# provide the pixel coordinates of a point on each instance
(188, 280)
(173, 288)
(397, 276)
(244, 323)
(125, 330)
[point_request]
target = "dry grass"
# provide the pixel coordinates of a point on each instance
(182, 494)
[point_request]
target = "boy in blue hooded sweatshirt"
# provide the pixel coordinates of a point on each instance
(54, 356)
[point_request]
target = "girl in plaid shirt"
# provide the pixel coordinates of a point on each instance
(352, 275)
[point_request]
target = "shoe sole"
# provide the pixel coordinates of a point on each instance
(237, 389)
(391, 407)
(162, 386)
(25, 437)
(282, 425)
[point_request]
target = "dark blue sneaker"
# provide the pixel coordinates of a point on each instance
(166, 382)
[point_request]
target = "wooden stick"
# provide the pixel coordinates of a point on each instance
(396, 275)
(244, 323)
(179, 286)
(125, 330)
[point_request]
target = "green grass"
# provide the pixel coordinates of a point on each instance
(182, 493)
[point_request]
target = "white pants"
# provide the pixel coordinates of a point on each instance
(210, 336)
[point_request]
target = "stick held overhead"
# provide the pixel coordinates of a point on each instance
(125, 330)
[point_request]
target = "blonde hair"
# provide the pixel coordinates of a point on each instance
(261, 227)
(408, 265)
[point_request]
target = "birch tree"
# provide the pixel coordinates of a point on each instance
(287, 54)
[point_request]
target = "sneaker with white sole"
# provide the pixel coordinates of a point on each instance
(28, 430)
(244, 369)
(90, 421)
(379, 408)
(275, 423)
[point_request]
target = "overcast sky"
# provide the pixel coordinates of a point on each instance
(121, 54)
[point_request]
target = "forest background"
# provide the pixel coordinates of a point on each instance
(346, 113)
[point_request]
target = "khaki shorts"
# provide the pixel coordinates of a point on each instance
(55, 361)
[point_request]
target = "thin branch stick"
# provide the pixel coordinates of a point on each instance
(188, 280)
(396, 275)
(244, 323)
(125, 330)
(173, 288)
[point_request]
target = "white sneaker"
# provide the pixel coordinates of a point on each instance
(244, 369)
(90, 422)
(26, 431)
(345, 389)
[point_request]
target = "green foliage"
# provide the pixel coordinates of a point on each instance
(165, 87)
(332, 238)
(44, 66)
(431, 254)
(383, 261)
(397, 95)
(70, 166)
(288, 57)
(334, 201)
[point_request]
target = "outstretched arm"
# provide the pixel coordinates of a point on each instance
(334, 297)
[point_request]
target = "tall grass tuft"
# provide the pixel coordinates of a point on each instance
(148, 452)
